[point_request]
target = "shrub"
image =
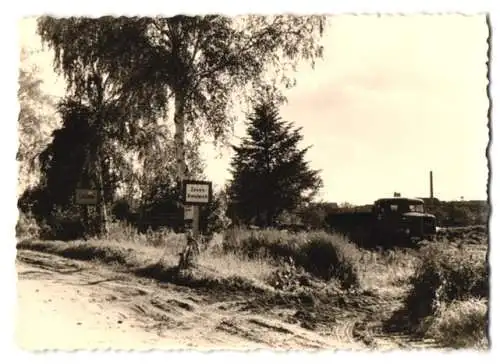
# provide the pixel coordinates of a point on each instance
(323, 255)
(461, 324)
(387, 272)
(330, 256)
(446, 274)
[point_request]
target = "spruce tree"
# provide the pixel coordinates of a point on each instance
(270, 173)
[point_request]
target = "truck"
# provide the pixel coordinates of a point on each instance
(388, 222)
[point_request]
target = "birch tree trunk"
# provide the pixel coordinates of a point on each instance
(189, 253)
(179, 121)
(102, 223)
(101, 202)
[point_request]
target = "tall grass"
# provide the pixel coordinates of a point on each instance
(323, 255)
(387, 273)
(156, 255)
(256, 255)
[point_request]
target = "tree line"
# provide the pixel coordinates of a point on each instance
(460, 213)
(126, 76)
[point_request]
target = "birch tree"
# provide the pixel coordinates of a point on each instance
(197, 64)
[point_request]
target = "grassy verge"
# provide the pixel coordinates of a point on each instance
(160, 263)
(268, 261)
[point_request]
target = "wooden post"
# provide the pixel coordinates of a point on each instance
(196, 222)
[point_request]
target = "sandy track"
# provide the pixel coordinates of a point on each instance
(64, 304)
(56, 311)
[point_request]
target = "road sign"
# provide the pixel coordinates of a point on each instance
(86, 197)
(194, 195)
(197, 192)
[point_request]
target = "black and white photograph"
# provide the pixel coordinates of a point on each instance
(256, 181)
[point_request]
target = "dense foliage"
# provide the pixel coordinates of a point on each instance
(125, 74)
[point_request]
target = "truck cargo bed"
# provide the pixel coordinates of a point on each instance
(344, 221)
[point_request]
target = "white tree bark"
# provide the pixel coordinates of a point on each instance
(192, 248)
(179, 121)
(101, 202)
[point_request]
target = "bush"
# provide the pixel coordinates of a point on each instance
(328, 256)
(323, 255)
(444, 275)
(461, 324)
(213, 216)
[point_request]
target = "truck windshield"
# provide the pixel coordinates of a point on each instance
(416, 208)
(405, 207)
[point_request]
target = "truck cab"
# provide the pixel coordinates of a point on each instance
(405, 217)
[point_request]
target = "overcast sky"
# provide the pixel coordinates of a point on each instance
(394, 97)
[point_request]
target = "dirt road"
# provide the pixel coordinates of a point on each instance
(65, 304)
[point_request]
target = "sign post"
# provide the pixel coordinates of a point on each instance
(84, 198)
(196, 222)
(195, 194)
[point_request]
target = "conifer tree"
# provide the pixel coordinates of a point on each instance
(270, 173)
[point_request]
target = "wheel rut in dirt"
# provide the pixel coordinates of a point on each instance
(213, 319)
